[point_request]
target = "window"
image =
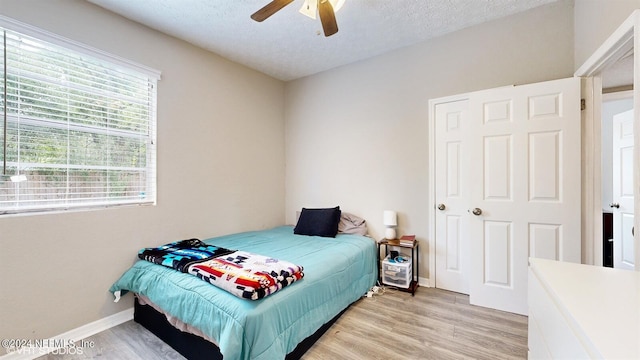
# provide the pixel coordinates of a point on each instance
(78, 125)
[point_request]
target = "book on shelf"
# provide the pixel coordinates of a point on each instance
(408, 240)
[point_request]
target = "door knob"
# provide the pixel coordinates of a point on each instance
(441, 207)
(615, 205)
(476, 211)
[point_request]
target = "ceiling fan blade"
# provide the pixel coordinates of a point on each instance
(270, 9)
(327, 17)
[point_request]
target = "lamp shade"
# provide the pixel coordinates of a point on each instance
(390, 218)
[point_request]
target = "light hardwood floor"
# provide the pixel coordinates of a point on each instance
(435, 324)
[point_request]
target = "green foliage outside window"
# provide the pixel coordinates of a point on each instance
(79, 128)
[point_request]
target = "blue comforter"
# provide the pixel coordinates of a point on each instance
(338, 271)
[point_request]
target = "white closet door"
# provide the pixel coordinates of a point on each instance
(452, 196)
(525, 192)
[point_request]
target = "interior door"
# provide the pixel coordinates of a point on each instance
(623, 206)
(525, 191)
(452, 196)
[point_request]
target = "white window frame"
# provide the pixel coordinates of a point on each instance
(153, 76)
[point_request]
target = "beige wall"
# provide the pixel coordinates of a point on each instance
(220, 170)
(357, 136)
(595, 20)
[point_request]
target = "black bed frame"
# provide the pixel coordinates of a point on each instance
(194, 347)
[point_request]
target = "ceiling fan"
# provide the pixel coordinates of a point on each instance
(325, 8)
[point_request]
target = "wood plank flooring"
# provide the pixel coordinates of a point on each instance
(127, 341)
(435, 324)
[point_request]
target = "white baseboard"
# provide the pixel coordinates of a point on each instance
(424, 282)
(71, 341)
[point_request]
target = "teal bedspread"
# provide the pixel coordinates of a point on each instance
(338, 271)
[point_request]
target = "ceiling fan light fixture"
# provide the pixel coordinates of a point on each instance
(310, 7)
(324, 8)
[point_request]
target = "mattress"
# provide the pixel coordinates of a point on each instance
(338, 271)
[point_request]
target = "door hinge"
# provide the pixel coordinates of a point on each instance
(583, 104)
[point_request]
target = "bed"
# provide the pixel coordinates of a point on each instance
(337, 272)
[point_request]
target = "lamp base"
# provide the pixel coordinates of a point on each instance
(390, 233)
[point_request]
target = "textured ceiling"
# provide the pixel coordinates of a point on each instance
(290, 45)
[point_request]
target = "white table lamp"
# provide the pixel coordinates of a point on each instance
(390, 220)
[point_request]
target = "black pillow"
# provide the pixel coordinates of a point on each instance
(318, 222)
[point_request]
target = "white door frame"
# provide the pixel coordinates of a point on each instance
(623, 41)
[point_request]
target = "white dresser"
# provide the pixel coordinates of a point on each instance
(583, 312)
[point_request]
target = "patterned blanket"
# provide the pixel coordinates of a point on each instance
(247, 275)
(180, 254)
(243, 274)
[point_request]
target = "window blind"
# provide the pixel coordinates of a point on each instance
(81, 129)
